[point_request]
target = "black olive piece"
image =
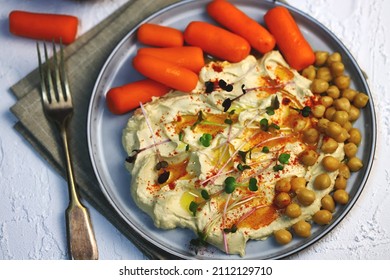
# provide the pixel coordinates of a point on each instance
(209, 86)
(163, 177)
(162, 164)
(226, 104)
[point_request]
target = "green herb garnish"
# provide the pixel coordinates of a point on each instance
(205, 194)
(230, 184)
(253, 184)
(193, 207)
(283, 158)
(205, 139)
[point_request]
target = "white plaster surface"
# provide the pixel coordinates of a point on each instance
(33, 197)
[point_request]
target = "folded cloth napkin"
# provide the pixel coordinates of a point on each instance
(84, 60)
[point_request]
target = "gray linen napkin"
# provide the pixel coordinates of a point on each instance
(84, 60)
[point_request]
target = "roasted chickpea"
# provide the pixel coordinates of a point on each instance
(347, 126)
(349, 94)
(360, 100)
(341, 196)
(322, 181)
(311, 135)
(354, 164)
(329, 145)
(344, 171)
(309, 72)
(324, 73)
(302, 229)
(334, 57)
(333, 92)
(322, 217)
(329, 112)
(308, 157)
(283, 236)
(340, 183)
(282, 200)
(343, 136)
(297, 183)
(319, 86)
(318, 111)
(337, 68)
(322, 124)
(306, 196)
(321, 57)
(293, 210)
(327, 203)
(327, 101)
(354, 113)
(350, 150)
(333, 129)
(342, 104)
(341, 117)
(330, 163)
(342, 82)
(283, 185)
(355, 136)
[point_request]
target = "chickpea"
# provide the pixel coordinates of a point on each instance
(344, 171)
(360, 100)
(341, 196)
(330, 163)
(322, 124)
(319, 86)
(324, 73)
(341, 117)
(349, 94)
(309, 72)
(340, 183)
(333, 92)
(308, 157)
(343, 136)
(283, 185)
(334, 57)
(355, 136)
(337, 68)
(354, 164)
(329, 112)
(322, 181)
(354, 113)
(302, 229)
(311, 135)
(350, 150)
(342, 82)
(321, 57)
(299, 124)
(327, 203)
(282, 200)
(293, 210)
(322, 217)
(297, 183)
(333, 129)
(305, 196)
(327, 101)
(329, 145)
(283, 236)
(342, 104)
(347, 125)
(318, 110)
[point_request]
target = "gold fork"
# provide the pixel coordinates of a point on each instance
(57, 105)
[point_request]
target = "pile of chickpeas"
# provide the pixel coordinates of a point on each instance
(338, 107)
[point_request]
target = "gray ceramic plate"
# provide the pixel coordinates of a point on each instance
(105, 130)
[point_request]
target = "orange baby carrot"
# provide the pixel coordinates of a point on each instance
(188, 57)
(238, 22)
(127, 97)
(43, 26)
(159, 36)
(165, 72)
(217, 41)
(291, 42)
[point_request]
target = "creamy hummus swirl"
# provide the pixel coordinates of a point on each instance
(237, 123)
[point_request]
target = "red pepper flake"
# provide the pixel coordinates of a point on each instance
(217, 67)
(286, 101)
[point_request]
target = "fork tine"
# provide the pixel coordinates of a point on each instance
(42, 76)
(57, 75)
(50, 88)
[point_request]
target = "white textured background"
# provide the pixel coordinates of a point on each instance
(33, 197)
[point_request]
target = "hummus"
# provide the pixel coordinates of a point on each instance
(209, 160)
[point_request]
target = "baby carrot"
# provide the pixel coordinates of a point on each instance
(217, 41)
(127, 97)
(165, 72)
(43, 26)
(291, 42)
(159, 36)
(188, 57)
(232, 18)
